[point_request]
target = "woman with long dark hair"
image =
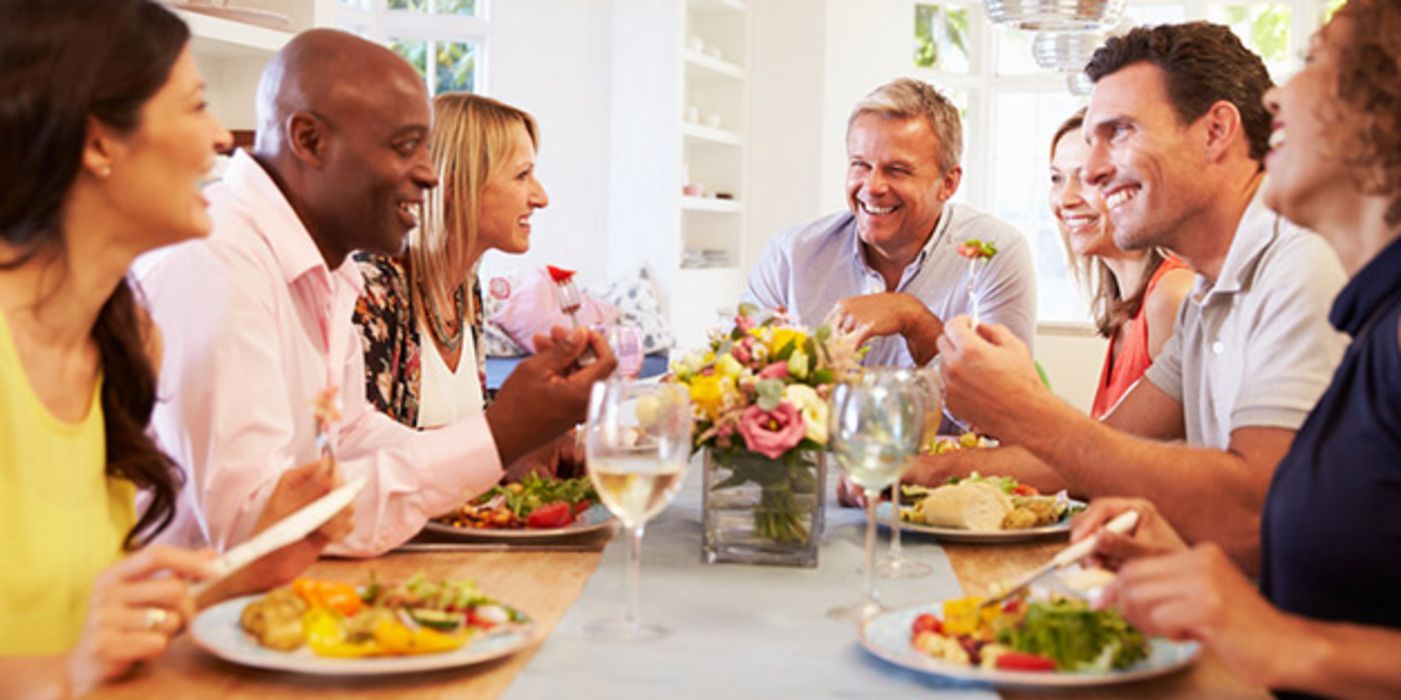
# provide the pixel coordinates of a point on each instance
(104, 136)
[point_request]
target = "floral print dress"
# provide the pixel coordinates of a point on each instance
(389, 332)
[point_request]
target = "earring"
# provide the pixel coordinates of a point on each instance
(104, 171)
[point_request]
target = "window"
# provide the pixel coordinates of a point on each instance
(443, 39)
(988, 70)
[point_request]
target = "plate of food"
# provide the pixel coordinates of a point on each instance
(536, 507)
(334, 628)
(980, 508)
(1052, 642)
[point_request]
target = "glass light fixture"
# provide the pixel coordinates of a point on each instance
(1055, 15)
(1066, 51)
(1078, 83)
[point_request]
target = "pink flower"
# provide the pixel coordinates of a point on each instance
(741, 349)
(744, 323)
(771, 433)
(777, 370)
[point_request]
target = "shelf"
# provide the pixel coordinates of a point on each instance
(740, 6)
(223, 38)
(728, 206)
(710, 135)
(714, 65)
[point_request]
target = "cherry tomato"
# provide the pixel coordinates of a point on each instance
(1022, 661)
(557, 514)
(581, 507)
(928, 623)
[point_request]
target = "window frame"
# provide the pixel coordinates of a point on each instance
(374, 20)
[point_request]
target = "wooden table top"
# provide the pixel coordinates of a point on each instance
(546, 583)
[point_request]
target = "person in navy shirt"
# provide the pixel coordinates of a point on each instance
(1326, 619)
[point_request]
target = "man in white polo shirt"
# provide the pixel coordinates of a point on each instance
(1178, 130)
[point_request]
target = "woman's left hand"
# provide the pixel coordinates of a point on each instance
(1199, 594)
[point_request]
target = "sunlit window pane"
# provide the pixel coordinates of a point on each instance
(1023, 125)
(941, 37)
(456, 67)
(415, 52)
(411, 5)
(1014, 52)
(1263, 27)
(455, 7)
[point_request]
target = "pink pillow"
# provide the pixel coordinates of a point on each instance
(532, 307)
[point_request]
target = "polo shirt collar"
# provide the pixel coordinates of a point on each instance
(274, 219)
(1365, 294)
(1258, 227)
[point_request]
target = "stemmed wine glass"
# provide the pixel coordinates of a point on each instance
(895, 564)
(876, 422)
(638, 440)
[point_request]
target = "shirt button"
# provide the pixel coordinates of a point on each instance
(1217, 347)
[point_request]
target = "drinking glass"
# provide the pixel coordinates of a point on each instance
(638, 440)
(895, 564)
(626, 342)
(876, 422)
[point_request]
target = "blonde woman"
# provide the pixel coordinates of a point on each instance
(420, 314)
(1135, 295)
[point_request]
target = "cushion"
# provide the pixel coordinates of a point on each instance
(637, 301)
(532, 307)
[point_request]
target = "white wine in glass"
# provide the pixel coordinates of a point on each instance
(876, 423)
(638, 440)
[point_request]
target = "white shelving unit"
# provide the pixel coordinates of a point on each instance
(232, 54)
(679, 152)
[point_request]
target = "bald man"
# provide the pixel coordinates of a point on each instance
(258, 317)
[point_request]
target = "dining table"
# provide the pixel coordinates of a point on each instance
(735, 631)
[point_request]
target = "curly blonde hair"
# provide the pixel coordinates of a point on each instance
(1368, 99)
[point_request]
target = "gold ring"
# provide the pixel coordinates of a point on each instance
(153, 617)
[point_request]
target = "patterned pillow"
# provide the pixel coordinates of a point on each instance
(498, 344)
(635, 296)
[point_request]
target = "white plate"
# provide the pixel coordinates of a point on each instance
(888, 637)
(216, 630)
(594, 519)
(884, 513)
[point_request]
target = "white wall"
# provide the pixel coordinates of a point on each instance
(552, 59)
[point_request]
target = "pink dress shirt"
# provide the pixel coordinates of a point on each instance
(255, 325)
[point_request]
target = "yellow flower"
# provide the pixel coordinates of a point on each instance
(813, 409)
(708, 392)
(776, 338)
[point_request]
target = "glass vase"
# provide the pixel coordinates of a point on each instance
(763, 511)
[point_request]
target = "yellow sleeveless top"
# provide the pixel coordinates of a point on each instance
(62, 521)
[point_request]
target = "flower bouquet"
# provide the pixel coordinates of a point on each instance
(759, 394)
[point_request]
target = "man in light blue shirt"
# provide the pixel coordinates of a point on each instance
(890, 265)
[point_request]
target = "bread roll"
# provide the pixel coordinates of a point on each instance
(969, 505)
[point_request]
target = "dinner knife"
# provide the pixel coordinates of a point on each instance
(1070, 555)
(286, 531)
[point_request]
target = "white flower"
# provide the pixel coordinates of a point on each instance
(812, 408)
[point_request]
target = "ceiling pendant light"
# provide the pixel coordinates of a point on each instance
(1055, 15)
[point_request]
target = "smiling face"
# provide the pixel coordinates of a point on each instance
(1307, 173)
(157, 169)
(1079, 210)
(377, 165)
(509, 196)
(1148, 165)
(893, 183)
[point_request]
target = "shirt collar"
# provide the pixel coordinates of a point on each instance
(941, 227)
(1258, 228)
(1367, 293)
(275, 219)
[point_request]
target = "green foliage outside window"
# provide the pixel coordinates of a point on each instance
(456, 67)
(415, 52)
(1263, 27)
(939, 32)
(442, 7)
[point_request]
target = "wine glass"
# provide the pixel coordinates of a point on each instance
(876, 422)
(895, 564)
(638, 440)
(626, 342)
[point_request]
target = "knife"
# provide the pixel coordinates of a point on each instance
(286, 531)
(1070, 555)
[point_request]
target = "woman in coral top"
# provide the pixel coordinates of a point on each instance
(1135, 295)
